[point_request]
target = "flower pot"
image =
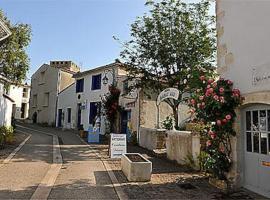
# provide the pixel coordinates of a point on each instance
(221, 184)
(136, 167)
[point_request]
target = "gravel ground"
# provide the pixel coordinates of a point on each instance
(19, 138)
(167, 180)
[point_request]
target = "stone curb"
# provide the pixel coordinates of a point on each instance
(18, 148)
(116, 185)
(44, 188)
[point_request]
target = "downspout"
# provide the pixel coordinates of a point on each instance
(139, 117)
(57, 92)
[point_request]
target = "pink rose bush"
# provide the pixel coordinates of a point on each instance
(214, 103)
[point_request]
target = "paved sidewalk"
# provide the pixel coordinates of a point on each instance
(83, 175)
(21, 176)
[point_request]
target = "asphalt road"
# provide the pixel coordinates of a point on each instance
(82, 175)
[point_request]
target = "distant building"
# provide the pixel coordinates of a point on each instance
(46, 83)
(20, 93)
(79, 103)
(244, 57)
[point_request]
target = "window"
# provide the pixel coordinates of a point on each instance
(35, 100)
(94, 106)
(257, 131)
(25, 93)
(69, 115)
(125, 87)
(79, 85)
(42, 77)
(96, 82)
(46, 99)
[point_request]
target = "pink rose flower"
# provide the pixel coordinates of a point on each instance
(222, 100)
(224, 121)
(229, 82)
(221, 90)
(219, 122)
(208, 143)
(192, 101)
(214, 84)
(208, 86)
(201, 98)
(216, 97)
(228, 117)
(210, 81)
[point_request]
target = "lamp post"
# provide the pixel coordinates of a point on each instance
(105, 79)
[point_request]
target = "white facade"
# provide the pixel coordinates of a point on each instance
(67, 100)
(21, 95)
(244, 57)
(5, 108)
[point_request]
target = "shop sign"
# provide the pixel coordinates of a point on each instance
(172, 93)
(4, 31)
(118, 145)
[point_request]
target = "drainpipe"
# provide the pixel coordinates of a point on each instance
(57, 92)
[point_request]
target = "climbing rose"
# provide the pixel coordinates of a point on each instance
(208, 143)
(216, 97)
(228, 117)
(218, 122)
(221, 90)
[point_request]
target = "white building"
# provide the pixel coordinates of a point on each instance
(244, 57)
(5, 106)
(20, 94)
(78, 104)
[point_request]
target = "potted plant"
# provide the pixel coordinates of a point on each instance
(81, 131)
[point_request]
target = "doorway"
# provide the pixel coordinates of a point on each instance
(60, 113)
(79, 115)
(256, 132)
(23, 109)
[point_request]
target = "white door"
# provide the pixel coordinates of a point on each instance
(257, 149)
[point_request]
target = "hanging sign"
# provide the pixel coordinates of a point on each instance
(4, 31)
(118, 145)
(172, 93)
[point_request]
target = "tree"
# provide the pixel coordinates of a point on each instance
(171, 46)
(14, 61)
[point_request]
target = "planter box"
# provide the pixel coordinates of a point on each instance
(221, 184)
(136, 167)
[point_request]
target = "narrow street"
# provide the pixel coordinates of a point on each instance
(82, 175)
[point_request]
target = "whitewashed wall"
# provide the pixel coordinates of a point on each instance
(5, 109)
(67, 99)
(243, 43)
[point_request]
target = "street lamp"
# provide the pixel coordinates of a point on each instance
(105, 79)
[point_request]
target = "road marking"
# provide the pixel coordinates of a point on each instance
(115, 183)
(44, 188)
(7, 160)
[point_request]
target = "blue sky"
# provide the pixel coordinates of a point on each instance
(77, 30)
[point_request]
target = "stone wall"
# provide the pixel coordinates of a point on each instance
(181, 144)
(152, 138)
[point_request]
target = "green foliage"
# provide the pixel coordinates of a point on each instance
(189, 161)
(6, 135)
(170, 47)
(112, 109)
(202, 159)
(168, 123)
(14, 61)
(214, 104)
